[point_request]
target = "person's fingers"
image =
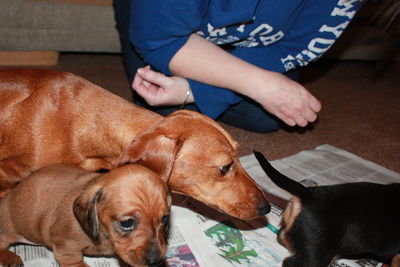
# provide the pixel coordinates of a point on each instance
(298, 113)
(154, 77)
(145, 90)
(315, 105)
(310, 115)
(306, 108)
(303, 116)
(146, 83)
(312, 108)
(301, 121)
(142, 90)
(137, 81)
(149, 94)
(288, 121)
(293, 120)
(283, 115)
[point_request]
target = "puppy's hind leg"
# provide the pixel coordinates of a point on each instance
(395, 261)
(299, 260)
(293, 261)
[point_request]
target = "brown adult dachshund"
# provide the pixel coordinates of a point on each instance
(76, 212)
(49, 117)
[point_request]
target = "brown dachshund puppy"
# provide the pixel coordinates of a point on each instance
(49, 117)
(75, 212)
(350, 220)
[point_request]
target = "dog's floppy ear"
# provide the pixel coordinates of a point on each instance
(86, 212)
(154, 150)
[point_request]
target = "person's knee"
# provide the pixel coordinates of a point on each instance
(250, 116)
(261, 126)
(266, 127)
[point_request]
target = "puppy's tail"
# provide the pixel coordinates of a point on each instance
(282, 180)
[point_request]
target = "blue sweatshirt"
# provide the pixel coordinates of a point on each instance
(277, 35)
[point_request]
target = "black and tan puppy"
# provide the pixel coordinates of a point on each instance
(347, 220)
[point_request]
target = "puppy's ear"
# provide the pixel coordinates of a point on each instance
(86, 212)
(155, 151)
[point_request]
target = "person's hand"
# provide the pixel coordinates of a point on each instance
(158, 89)
(286, 99)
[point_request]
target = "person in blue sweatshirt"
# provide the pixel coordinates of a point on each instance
(232, 60)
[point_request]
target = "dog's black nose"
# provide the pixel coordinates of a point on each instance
(156, 263)
(154, 257)
(264, 209)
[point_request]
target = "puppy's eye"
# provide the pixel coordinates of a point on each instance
(165, 219)
(127, 225)
(225, 169)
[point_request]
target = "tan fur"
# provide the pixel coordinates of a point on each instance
(84, 216)
(289, 216)
(49, 117)
(395, 261)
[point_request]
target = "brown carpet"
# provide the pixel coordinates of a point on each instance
(360, 108)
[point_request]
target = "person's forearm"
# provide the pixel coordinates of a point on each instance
(205, 62)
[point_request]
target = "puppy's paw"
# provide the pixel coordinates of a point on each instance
(8, 258)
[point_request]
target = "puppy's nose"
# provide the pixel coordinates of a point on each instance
(155, 264)
(154, 257)
(264, 208)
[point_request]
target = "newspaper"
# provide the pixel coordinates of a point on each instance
(200, 236)
(324, 165)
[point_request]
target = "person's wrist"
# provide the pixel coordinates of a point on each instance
(188, 96)
(256, 82)
(186, 100)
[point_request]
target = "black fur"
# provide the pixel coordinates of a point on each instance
(351, 220)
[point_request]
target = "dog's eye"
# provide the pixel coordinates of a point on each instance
(127, 225)
(165, 219)
(225, 169)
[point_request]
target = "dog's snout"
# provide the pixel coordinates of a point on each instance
(155, 264)
(154, 256)
(264, 208)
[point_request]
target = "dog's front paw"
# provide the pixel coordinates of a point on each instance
(8, 258)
